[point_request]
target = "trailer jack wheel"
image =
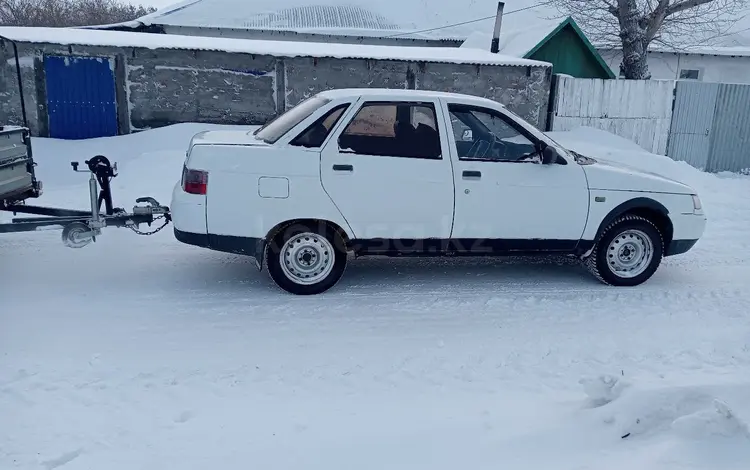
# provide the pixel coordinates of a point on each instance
(77, 235)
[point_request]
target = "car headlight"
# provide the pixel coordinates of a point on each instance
(697, 206)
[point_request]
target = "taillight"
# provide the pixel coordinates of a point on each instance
(194, 181)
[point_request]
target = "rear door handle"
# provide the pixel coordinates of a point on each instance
(343, 168)
(472, 174)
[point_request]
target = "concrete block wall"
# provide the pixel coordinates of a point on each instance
(167, 86)
(524, 90)
(306, 76)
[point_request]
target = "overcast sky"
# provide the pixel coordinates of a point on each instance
(156, 3)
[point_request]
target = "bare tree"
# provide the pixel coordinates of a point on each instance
(66, 13)
(636, 24)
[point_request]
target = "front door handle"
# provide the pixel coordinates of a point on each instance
(472, 174)
(343, 168)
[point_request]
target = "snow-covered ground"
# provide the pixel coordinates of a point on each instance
(143, 353)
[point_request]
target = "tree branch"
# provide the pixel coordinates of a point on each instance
(685, 5)
(611, 7)
(656, 19)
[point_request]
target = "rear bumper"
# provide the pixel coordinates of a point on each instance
(188, 211)
(678, 247)
(254, 247)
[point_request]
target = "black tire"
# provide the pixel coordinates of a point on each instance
(318, 237)
(605, 254)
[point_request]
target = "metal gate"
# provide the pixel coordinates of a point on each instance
(711, 126)
(730, 134)
(81, 100)
(692, 121)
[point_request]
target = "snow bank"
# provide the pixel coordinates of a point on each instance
(665, 425)
(682, 412)
(149, 163)
(604, 145)
(154, 148)
(678, 412)
(88, 37)
(603, 389)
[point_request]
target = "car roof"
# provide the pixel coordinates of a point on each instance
(343, 93)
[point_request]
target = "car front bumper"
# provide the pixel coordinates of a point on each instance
(688, 229)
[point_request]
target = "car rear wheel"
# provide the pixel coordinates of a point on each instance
(627, 253)
(306, 260)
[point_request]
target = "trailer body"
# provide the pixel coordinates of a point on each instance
(17, 178)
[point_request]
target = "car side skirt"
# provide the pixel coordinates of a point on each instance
(255, 247)
(466, 247)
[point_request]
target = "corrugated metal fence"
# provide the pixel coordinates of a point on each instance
(639, 110)
(711, 126)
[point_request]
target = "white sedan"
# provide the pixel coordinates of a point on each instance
(420, 173)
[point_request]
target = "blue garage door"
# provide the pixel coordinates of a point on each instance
(81, 100)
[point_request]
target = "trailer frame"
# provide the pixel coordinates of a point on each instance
(81, 227)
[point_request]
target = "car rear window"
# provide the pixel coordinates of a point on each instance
(277, 127)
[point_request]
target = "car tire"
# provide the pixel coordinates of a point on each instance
(306, 260)
(627, 253)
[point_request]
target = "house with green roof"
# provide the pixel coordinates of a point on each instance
(559, 42)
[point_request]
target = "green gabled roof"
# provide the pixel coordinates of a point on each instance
(570, 22)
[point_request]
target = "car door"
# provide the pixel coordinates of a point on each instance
(503, 193)
(387, 170)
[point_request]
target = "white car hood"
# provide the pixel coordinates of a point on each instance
(608, 175)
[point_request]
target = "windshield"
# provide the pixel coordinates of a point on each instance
(281, 124)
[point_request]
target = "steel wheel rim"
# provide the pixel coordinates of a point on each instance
(630, 254)
(307, 258)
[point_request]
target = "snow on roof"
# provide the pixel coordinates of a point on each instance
(88, 37)
(515, 42)
(408, 18)
(720, 50)
(729, 51)
(291, 18)
(431, 19)
(520, 41)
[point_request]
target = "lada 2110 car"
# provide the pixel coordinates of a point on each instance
(420, 173)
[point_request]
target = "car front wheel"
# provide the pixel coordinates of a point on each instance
(306, 260)
(627, 253)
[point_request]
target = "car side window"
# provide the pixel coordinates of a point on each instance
(317, 132)
(484, 134)
(398, 129)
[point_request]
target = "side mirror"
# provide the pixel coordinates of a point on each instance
(549, 155)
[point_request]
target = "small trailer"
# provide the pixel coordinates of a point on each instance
(17, 178)
(18, 184)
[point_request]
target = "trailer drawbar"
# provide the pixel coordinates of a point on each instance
(81, 227)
